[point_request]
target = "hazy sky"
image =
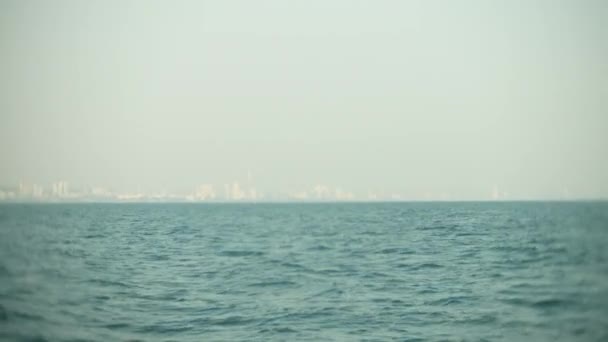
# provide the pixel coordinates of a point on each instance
(406, 96)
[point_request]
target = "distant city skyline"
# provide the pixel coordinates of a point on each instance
(236, 191)
(462, 100)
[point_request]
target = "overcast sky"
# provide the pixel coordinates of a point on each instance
(414, 97)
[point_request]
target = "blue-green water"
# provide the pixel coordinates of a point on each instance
(318, 272)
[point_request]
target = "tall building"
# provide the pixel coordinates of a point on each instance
(24, 190)
(204, 192)
(37, 191)
(227, 192)
(321, 191)
(237, 193)
(60, 189)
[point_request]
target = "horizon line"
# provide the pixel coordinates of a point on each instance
(309, 201)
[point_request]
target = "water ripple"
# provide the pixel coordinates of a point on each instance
(315, 272)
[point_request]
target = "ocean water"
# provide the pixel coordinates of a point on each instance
(528, 271)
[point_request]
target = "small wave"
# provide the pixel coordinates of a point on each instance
(452, 300)
(319, 248)
(416, 267)
(94, 236)
(24, 315)
(327, 292)
(579, 331)
(371, 232)
(280, 330)
(35, 338)
(232, 320)
(549, 303)
(224, 321)
(109, 283)
(241, 253)
(468, 254)
(539, 304)
(396, 250)
(374, 275)
(427, 291)
(527, 285)
(114, 326)
(428, 265)
(319, 313)
(438, 227)
(3, 314)
(516, 249)
(273, 283)
(174, 296)
(72, 252)
(329, 271)
(159, 257)
(462, 234)
(4, 271)
(483, 319)
(163, 329)
(294, 266)
(390, 301)
(414, 339)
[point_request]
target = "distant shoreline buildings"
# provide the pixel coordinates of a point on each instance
(63, 191)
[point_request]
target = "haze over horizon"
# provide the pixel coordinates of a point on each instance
(407, 97)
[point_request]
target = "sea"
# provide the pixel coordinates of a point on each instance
(427, 271)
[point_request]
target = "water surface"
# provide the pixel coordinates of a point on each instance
(343, 272)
